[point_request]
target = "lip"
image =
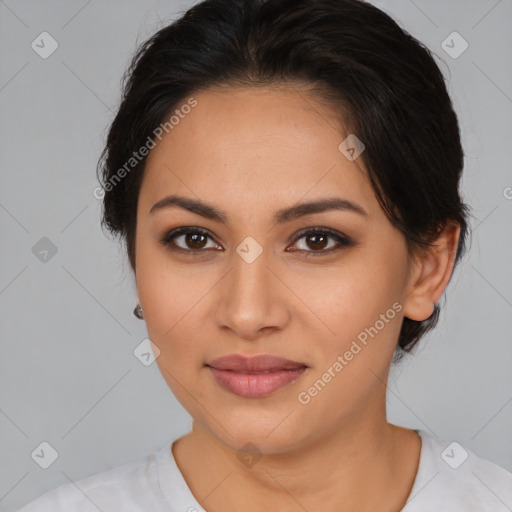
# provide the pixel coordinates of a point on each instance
(256, 376)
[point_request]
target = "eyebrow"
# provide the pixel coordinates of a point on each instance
(281, 216)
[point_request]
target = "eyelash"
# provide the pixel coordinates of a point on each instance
(343, 241)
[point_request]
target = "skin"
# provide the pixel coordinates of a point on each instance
(250, 152)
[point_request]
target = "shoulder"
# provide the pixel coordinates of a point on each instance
(125, 487)
(452, 478)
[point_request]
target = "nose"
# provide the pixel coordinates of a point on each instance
(252, 299)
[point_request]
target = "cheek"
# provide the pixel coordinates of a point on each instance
(161, 288)
(357, 310)
(173, 298)
(349, 365)
(353, 295)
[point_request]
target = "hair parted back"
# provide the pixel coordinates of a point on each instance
(383, 83)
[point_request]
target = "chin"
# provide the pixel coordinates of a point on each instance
(256, 431)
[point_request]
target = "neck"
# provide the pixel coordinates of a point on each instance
(359, 466)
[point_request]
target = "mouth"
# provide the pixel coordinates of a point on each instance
(263, 363)
(254, 377)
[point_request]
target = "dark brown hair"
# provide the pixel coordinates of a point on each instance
(349, 51)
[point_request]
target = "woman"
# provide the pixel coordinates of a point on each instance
(285, 177)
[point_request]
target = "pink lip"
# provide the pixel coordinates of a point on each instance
(255, 376)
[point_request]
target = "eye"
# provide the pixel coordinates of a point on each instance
(318, 239)
(187, 239)
(194, 240)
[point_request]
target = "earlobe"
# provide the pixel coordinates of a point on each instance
(432, 271)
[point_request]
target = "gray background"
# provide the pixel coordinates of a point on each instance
(68, 374)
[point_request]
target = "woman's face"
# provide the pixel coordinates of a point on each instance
(251, 283)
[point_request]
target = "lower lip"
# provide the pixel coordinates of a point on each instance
(254, 385)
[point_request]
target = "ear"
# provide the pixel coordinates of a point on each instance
(431, 271)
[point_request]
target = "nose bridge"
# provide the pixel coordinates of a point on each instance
(250, 277)
(250, 300)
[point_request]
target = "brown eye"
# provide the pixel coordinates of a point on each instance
(194, 240)
(187, 239)
(316, 241)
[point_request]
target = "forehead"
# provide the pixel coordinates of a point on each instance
(255, 145)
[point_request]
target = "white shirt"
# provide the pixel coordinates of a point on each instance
(449, 479)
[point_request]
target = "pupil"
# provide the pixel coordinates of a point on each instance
(195, 238)
(312, 237)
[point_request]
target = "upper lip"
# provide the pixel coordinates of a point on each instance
(259, 363)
